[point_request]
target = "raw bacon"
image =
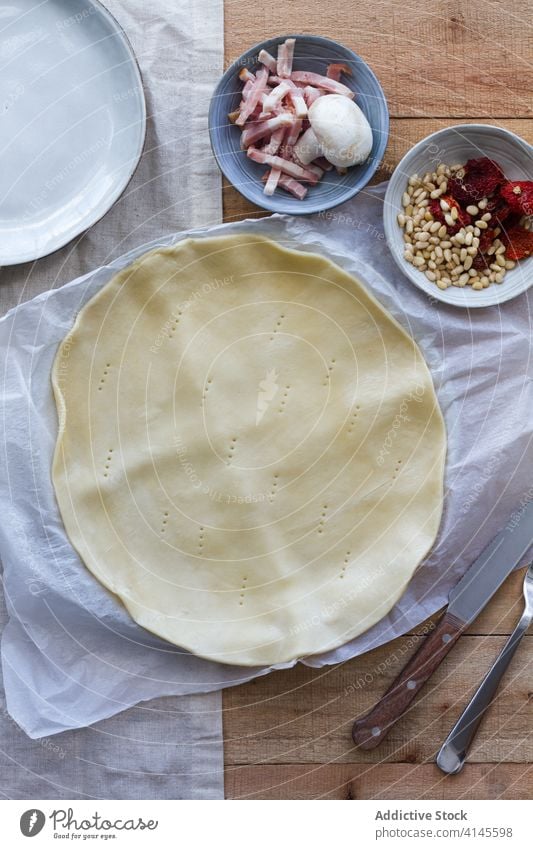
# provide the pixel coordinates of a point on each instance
(260, 129)
(309, 78)
(266, 59)
(254, 97)
(285, 57)
(273, 118)
(336, 69)
(272, 181)
(290, 168)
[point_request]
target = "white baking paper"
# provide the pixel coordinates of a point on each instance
(61, 618)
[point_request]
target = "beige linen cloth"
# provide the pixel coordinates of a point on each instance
(168, 748)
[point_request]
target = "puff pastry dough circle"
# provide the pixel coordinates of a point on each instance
(250, 450)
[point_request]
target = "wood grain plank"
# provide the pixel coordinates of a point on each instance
(449, 58)
(304, 715)
(380, 781)
(404, 133)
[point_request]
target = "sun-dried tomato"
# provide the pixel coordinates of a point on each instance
(463, 218)
(486, 239)
(499, 210)
(519, 242)
(518, 196)
(481, 179)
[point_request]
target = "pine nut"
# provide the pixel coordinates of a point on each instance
(431, 276)
(483, 203)
(445, 206)
(477, 285)
(449, 220)
(419, 260)
(454, 213)
(472, 210)
(481, 224)
(500, 260)
(443, 232)
(401, 219)
(434, 226)
(468, 238)
(486, 217)
(442, 283)
(463, 279)
(406, 199)
(467, 264)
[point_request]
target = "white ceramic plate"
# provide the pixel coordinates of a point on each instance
(72, 121)
(451, 145)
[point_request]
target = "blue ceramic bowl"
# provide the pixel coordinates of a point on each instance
(312, 53)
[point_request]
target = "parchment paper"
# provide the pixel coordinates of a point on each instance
(61, 618)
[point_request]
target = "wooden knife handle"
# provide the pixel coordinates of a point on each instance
(371, 729)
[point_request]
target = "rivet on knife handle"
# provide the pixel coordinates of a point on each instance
(371, 729)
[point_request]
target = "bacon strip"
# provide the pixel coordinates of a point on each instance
(247, 88)
(276, 140)
(290, 168)
(285, 57)
(292, 186)
(254, 97)
(260, 129)
(272, 181)
(336, 69)
(271, 100)
(311, 94)
(295, 95)
(293, 133)
(246, 76)
(309, 78)
(266, 59)
(323, 163)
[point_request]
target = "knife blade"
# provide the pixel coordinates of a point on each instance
(466, 600)
(477, 586)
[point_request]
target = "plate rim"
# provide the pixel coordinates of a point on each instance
(113, 197)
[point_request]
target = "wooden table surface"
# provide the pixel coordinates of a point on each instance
(287, 735)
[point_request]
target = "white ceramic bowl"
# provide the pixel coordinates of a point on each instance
(451, 145)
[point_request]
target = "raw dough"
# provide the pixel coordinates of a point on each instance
(250, 449)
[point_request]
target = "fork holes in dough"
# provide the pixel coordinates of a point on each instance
(345, 564)
(353, 419)
(104, 375)
(107, 464)
(243, 588)
(284, 399)
(396, 469)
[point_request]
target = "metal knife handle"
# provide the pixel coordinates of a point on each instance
(371, 729)
(452, 754)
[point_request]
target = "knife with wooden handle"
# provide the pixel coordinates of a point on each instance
(467, 599)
